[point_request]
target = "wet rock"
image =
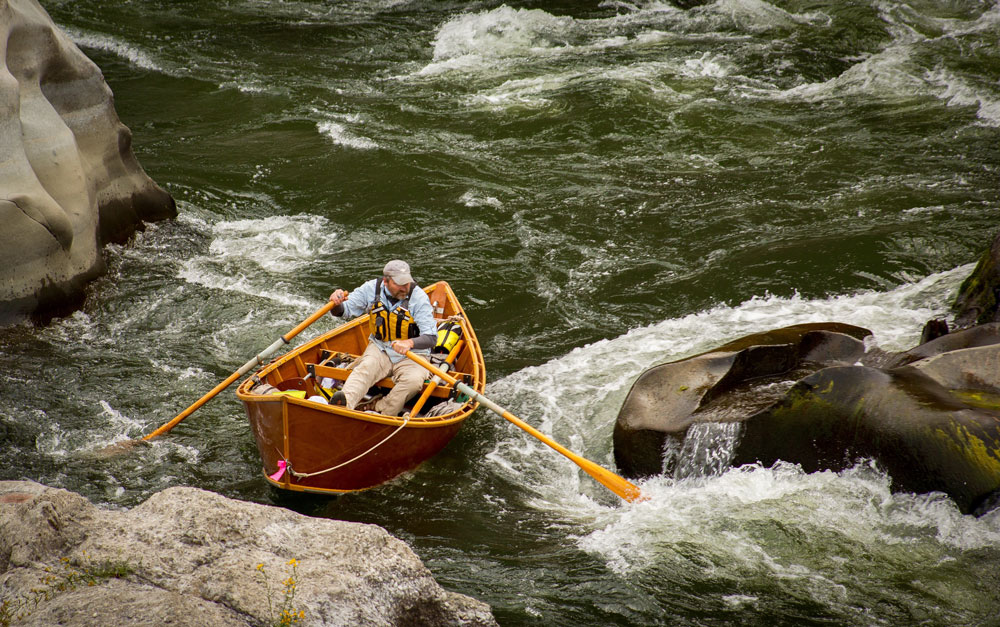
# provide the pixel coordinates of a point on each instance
(191, 557)
(668, 398)
(930, 416)
(934, 329)
(979, 295)
(71, 182)
(983, 335)
(933, 425)
(973, 368)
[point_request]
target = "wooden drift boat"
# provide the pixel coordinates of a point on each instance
(310, 446)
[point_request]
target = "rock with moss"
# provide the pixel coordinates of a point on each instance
(929, 416)
(191, 557)
(70, 180)
(934, 425)
(978, 300)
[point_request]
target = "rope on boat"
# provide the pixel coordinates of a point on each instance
(303, 475)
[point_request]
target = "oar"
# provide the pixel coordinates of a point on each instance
(613, 482)
(245, 368)
(437, 381)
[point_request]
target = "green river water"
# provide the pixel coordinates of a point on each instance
(606, 186)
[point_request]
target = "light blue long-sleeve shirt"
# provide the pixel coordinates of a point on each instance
(420, 308)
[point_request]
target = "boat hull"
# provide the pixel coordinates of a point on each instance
(346, 453)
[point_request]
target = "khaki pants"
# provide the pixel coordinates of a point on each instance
(373, 366)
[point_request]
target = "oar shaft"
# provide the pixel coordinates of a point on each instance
(319, 313)
(245, 368)
(619, 485)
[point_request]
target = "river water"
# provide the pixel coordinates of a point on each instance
(607, 186)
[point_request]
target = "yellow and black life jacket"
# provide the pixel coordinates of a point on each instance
(397, 324)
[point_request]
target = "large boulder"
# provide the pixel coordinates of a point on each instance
(930, 416)
(191, 557)
(667, 399)
(69, 182)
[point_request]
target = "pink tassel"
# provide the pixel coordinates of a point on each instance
(281, 470)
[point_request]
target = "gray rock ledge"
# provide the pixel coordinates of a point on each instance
(192, 558)
(69, 182)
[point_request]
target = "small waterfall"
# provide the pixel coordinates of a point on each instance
(706, 451)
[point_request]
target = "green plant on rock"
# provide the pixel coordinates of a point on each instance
(286, 613)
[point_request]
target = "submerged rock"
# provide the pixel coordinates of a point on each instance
(69, 178)
(191, 557)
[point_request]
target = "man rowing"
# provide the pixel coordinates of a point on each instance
(402, 319)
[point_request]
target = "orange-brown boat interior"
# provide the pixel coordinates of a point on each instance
(312, 446)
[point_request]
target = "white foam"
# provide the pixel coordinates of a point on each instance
(195, 272)
(496, 42)
(956, 92)
(887, 73)
(892, 73)
(278, 244)
(131, 53)
(500, 37)
(473, 198)
(709, 65)
(757, 16)
(121, 426)
(648, 77)
(339, 134)
(747, 505)
(190, 372)
(52, 440)
(545, 90)
(500, 32)
(249, 86)
(526, 92)
(78, 327)
(115, 426)
(897, 71)
(260, 257)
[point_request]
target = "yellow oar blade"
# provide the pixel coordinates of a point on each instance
(619, 485)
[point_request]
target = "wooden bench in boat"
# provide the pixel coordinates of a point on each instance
(442, 391)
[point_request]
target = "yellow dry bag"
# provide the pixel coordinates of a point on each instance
(448, 335)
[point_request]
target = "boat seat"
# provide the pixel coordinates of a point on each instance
(442, 391)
